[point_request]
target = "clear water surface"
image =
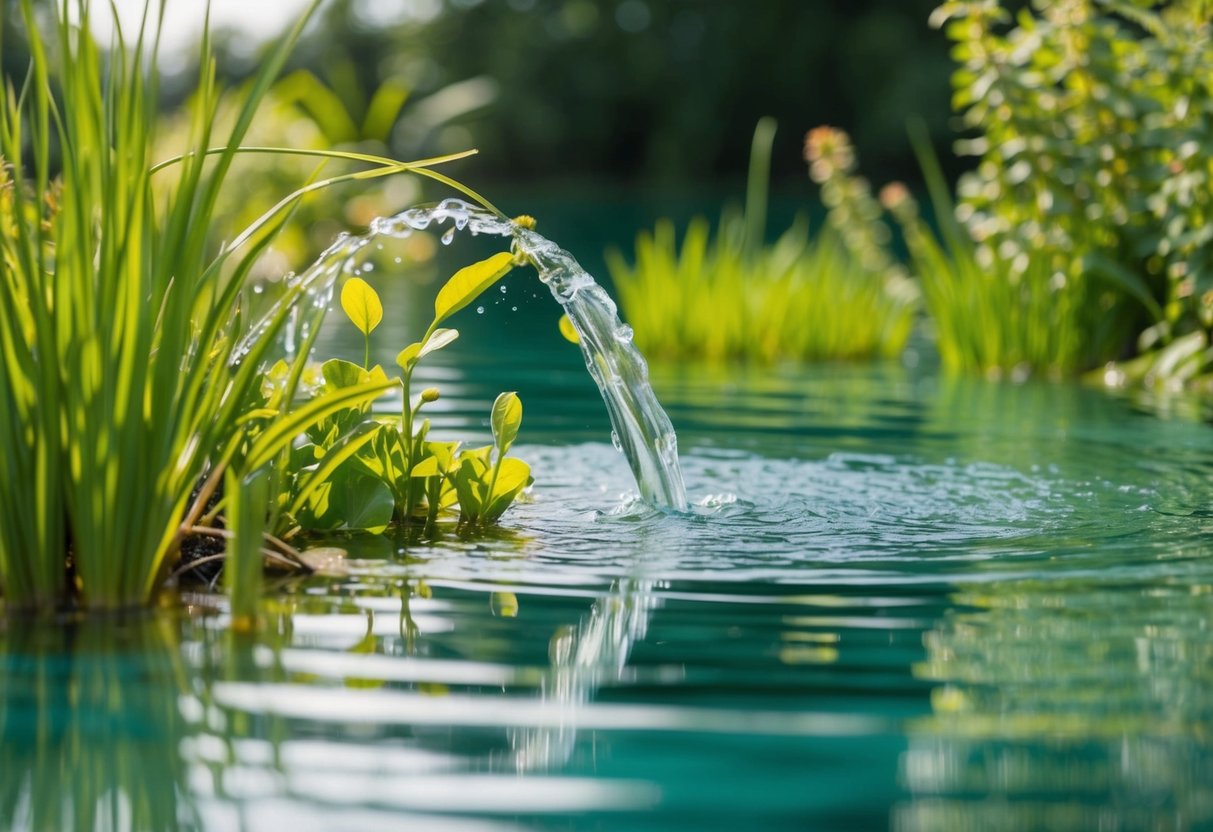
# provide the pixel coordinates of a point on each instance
(902, 601)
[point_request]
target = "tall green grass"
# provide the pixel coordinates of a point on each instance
(729, 296)
(1087, 209)
(121, 383)
(1001, 316)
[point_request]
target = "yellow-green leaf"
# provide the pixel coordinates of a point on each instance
(507, 418)
(427, 467)
(513, 476)
(467, 284)
(407, 357)
(416, 351)
(568, 330)
(361, 303)
(439, 339)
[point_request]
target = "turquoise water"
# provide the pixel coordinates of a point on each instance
(901, 601)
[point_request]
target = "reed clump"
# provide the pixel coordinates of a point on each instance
(131, 367)
(726, 295)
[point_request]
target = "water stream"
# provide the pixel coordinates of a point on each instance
(641, 429)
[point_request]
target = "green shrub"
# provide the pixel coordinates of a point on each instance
(1089, 209)
(986, 316)
(729, 296)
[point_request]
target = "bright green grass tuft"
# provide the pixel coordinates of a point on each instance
(728, 297)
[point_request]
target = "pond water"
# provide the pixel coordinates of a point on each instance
(901, 601)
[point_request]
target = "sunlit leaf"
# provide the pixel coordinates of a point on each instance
(416, 351)
(427, 467)
(568, 330)
(467, 284)
(361, 303)
(506, 420)
(339, 374)
(512, 477)
(469, 487)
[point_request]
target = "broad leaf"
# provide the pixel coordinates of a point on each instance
(349, 500)
(469, 488)
(334, 458)
(514, 476)
(438, 459)
(568, 330)
(467, 284)
(361, 303)
(507, 418)
(427, 467)
(339, 374)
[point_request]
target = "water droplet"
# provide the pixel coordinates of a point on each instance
(503, 289)
(258, 289)
(448, 236)
(368, 267)
(615, 441)
(513, 308)
(398, 260)
(479, 310)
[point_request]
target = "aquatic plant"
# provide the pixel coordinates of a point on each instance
(130, 359)
(359, 470)
(996, 317)
(1089, 206)
(730, 296)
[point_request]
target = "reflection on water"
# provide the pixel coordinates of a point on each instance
(900, 601)
(584, 658)
(90, 728)
(1067, 705)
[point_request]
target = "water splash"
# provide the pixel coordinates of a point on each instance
(641, 428)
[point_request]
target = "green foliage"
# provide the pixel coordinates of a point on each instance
(467, 284)
(362, 471)
(731, 297)
(987, 318)
(128, 373)
(305, 112)
(664, 92)
(1090, 207)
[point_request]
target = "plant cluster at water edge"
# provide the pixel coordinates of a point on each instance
(133, 368)
(727, 295)
(1083, 234)
(362, 470)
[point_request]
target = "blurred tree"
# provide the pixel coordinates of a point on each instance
(654, 91)
(662, 91)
